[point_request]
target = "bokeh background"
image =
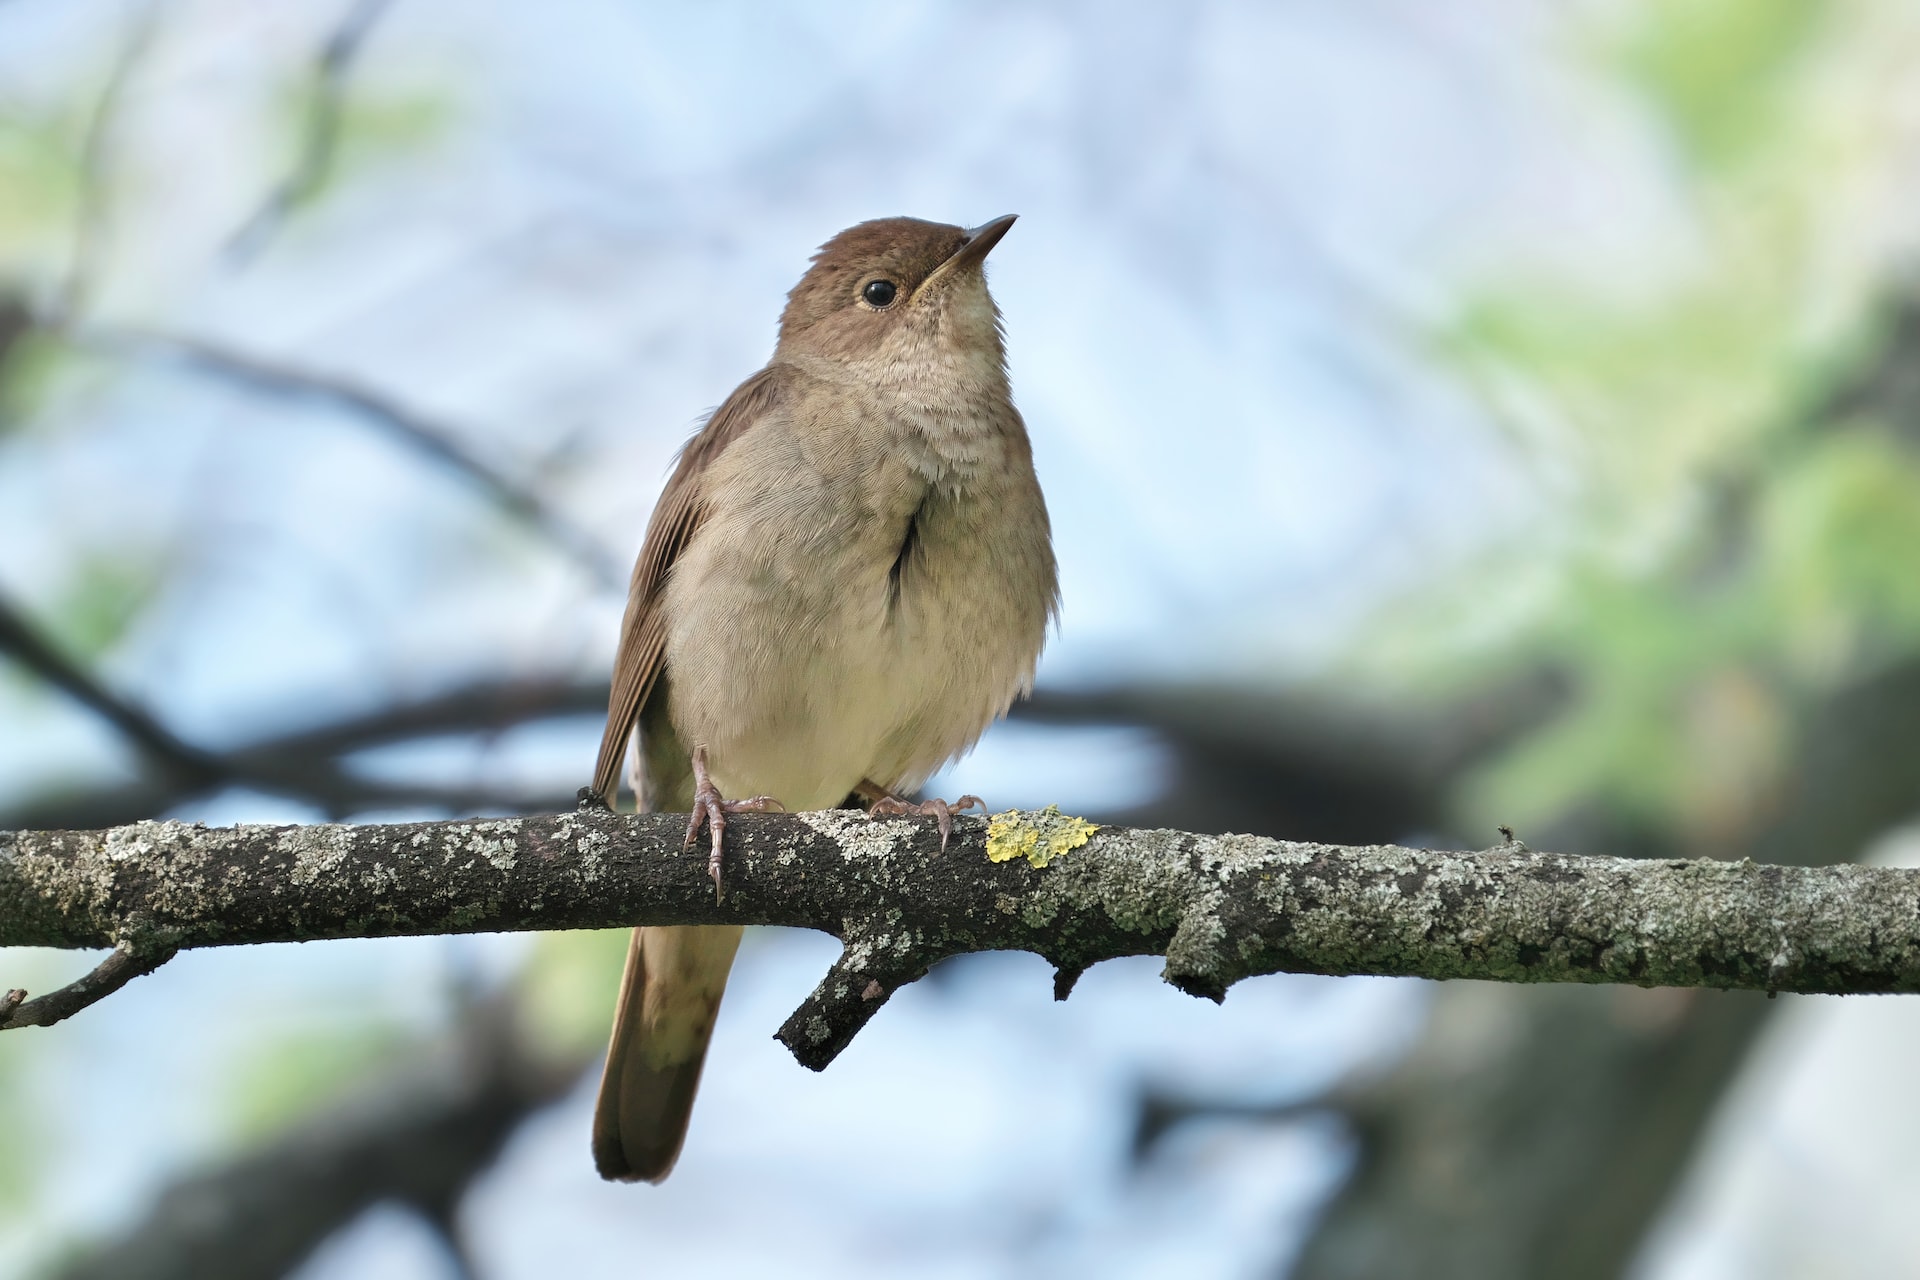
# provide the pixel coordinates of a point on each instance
(1505, 411)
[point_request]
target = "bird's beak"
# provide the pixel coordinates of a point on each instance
(972, 251)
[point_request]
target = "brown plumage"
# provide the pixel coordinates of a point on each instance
(643, 633)
(847, 578)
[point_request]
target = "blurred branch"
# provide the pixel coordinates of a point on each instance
(186, 765)
(91, 206)
(1883, 391)
(465, 708)
(321, 136)
(16, 322)
(1244, 758)
(1311, 764)
(1219, 908)
(1161, 1110)
(432, 440)
(418, 1134)
(306, 763)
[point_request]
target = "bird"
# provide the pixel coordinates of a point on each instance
(848, 576)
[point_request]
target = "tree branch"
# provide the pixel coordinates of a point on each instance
(1220, 908)
(432, 440)
(122, 965)
(307, 762)
(91, 210)
(321, 135)
(24, 643)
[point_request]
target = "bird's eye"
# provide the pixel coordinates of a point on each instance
(879, 293)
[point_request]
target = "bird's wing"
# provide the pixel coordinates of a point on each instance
(682, 507)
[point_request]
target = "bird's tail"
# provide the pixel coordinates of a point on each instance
(668, 1000)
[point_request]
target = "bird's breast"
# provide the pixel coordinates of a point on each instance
(859, 621)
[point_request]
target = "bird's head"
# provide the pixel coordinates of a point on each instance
(898, 292)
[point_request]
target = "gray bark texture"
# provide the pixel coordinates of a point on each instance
(1219, 908)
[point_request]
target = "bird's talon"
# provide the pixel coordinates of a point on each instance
(940, 811)
(711, 807)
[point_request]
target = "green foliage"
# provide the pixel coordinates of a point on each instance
(1718, 555)
(288, 1076)
(1646, 393)
(27, 372)
(1672, 685)
(25, 1127)
(19, 1121)
(396, 121)
(568, 988)
(103, 597)
(38, 181)
(1841, 547)
(1719, 72)
(375, 123)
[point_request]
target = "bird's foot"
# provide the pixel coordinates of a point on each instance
(710, 807)
(892, 806)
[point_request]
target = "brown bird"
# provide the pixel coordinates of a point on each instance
(848, 577)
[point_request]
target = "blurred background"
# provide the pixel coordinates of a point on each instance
(1498, 412)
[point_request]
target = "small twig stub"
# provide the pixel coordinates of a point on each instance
(122, 965)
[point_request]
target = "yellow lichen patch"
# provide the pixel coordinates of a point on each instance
(1038, 837)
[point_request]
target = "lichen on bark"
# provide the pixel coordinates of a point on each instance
(1219, 908)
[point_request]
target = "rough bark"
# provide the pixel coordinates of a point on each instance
(1219, 908)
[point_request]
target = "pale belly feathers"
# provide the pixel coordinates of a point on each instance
(807, 654)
